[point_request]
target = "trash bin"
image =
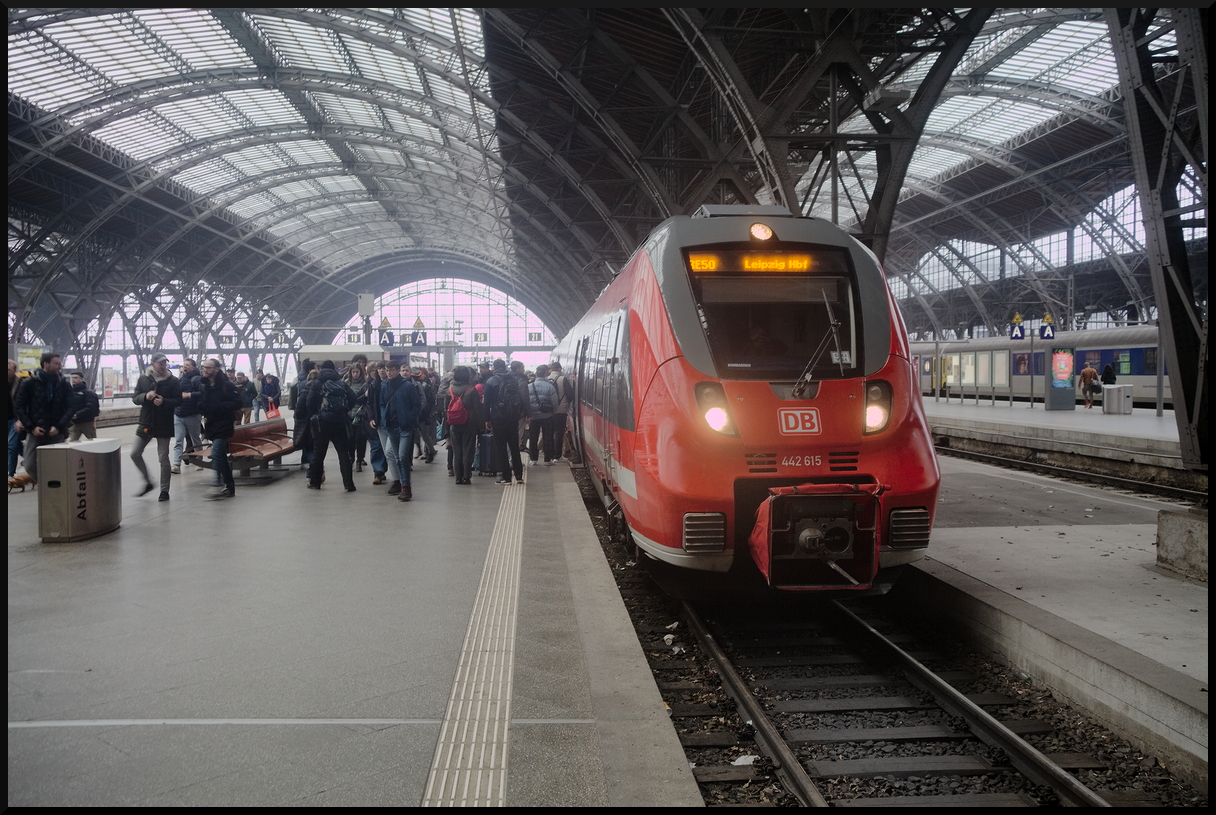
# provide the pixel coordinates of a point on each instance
(1117, 399)
(79, 490)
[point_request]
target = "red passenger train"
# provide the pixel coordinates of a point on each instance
(745, 383)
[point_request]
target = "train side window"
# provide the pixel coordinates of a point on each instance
(601, 373)
(592, 373)
(1093, 359)
(1123, 362)
(624, 379)
(1150, 361)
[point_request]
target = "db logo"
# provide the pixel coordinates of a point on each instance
(798, 421)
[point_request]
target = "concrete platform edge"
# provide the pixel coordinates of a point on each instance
(1161, 711)
(643, 761)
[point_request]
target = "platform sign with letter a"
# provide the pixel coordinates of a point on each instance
(418, 338)
(1016, 332)
(1047, 332)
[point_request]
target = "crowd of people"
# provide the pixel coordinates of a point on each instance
(489, 418)
(396, 415)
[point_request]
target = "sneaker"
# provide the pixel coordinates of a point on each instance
(225, 493)
(351, 488)
(164, 496)
(503, 481)
(175, 469)
(313, 486)
(394, 488)
(378, 480)
(147, 489)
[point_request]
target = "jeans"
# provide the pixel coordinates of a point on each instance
(377, 457)
(187, 433)
(223, 467)
(400, 452)
(162, 450)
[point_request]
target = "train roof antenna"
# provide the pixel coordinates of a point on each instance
(804, 381)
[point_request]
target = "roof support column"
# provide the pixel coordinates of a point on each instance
(1167, 119)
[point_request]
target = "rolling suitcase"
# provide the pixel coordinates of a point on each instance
(488, 460)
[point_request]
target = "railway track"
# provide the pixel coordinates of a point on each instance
(1087, 476)
(851, 683)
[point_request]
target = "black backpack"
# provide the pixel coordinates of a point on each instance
(335, 401)
(508, 401)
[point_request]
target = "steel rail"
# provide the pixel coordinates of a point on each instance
(1029, 761)
(1163, 490)
(786, 764)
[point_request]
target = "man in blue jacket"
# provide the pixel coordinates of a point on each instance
(400, 406)
(187, 422)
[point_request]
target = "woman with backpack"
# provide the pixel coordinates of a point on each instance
(464, 420)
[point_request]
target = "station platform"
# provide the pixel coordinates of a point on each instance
(1139, 436)
(288, 647)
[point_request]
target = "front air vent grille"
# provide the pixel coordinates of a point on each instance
(909, 528)
(704, 532)
(761, 462)
(843, 461)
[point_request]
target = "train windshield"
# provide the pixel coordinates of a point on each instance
(769, 323)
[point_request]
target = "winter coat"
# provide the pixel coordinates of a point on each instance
(316, 398)
(248, 392)
(271, 390)
(400, 404)
(189, 384)
(565, 392)
(157, 421)
(541, 390)
(472, 403)
(85, 405)
(218, 405)
(45, 400)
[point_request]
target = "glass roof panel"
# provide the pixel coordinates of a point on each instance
(196, 37)
(302, 44)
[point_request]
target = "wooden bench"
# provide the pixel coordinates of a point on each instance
(252, 445)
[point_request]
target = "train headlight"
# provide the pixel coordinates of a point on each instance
(761, 232)
(711, 401)
(878, 406)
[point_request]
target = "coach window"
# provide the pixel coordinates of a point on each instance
(602, 373)
(623, 385)
(1123, 362)
(592, 369)
(1150, 361)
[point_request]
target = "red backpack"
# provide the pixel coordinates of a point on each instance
(457, 413)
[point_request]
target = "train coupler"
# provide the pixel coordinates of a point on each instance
(817, 536)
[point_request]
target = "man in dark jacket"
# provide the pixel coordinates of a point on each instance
(44, 408)
(329, 403)
(400, 406)
(218, 404)
(505, 401)
(157, 393)
(187, 423)
(269, 396)
(86, 407)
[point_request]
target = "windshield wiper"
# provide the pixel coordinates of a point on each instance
(804, 381)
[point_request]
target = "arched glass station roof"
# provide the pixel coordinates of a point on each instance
(300, 156)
